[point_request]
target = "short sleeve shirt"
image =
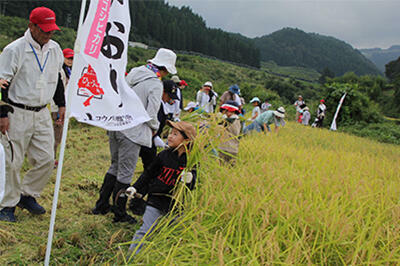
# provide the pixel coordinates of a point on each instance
(268, 118)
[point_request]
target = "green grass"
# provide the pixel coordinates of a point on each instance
(304, 196)
(294, 72)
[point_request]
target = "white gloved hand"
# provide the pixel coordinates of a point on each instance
(130, 192)
(158, 142)
(186, 177)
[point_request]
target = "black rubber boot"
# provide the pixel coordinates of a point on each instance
(103, 203)
(119, 204)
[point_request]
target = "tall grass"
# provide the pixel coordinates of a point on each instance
(303, 196)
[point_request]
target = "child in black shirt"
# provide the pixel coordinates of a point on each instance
(159, 179)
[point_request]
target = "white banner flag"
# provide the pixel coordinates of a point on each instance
(97, 91)
(333, 125)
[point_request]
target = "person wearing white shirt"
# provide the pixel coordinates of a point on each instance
(321, 113)
(256, 110)
(205, 98)
(297, 104)
(29, 73)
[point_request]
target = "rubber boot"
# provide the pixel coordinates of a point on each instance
(103, 203)
(119, 204)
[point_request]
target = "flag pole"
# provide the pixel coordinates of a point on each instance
(333, 125)
(61, 156)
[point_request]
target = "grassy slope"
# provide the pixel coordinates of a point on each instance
(303, 196)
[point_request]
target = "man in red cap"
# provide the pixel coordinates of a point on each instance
(29, 78)
(321, 112)
(55, 115)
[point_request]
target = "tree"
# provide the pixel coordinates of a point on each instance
(392, 69)
(326, 73)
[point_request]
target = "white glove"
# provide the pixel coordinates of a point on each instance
(158, 142)
(130, 192)
(186, 177)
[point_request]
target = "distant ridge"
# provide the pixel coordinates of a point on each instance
(294, 47)
(380, 57)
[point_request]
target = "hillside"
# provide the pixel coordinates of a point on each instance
(157, 24)
(293, 47)
(380, 57)
(329, 199)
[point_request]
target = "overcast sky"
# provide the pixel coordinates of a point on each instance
(361, 23)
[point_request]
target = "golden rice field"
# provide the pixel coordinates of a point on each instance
(304, 196)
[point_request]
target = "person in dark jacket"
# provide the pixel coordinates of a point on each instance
(125, 145)
(169, 95)
(159, 180)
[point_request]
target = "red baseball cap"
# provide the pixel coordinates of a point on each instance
(183, 83)
(322, 101)
(45, 18)
(68, 53)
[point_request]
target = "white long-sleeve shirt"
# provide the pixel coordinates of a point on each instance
(203, 102)
(18, 64)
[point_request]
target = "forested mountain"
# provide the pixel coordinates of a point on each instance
(293, 47)
(380, 57)
(157, 24)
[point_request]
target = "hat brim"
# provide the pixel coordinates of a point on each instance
(171, 69)
(280, 115)
(48, 27)
(178, 127)
(69, 56)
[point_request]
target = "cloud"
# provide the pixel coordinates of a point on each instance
(362, 23)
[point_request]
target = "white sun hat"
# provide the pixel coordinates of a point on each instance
(175, 79)
(190, 105)
(280, 112)
(255, 99)
(165, 58)
(208, 84)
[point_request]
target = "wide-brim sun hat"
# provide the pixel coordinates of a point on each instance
(188, 130)
(165, 58)
(255, 99)
(208, 84)
(176, 79)
(234, 89)
(280, 112)
(190, 105)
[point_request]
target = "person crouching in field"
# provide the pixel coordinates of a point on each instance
(160, 178)
(306, 116)
(265, 119)
(229, 147)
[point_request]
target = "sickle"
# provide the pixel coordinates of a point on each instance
(122, 194)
